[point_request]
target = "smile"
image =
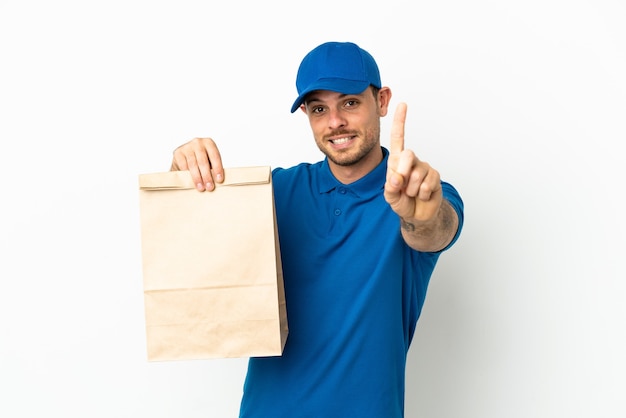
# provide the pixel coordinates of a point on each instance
(340, 141)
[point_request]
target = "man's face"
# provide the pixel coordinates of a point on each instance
(346, 127)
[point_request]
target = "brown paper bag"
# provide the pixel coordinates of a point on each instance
(212, 276)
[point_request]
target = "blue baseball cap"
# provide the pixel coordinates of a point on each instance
(336, 66)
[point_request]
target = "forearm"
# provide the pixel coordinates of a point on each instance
(433, 235)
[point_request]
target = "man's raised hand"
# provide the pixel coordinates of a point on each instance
(413, 187)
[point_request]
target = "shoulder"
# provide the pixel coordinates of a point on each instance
(450, 191)
(296, 168)
(453, 197)
(297, 172)
(451, 194)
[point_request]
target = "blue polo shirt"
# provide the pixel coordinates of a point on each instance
(354, 292)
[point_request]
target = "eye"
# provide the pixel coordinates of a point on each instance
(351, 103)
(317, 109)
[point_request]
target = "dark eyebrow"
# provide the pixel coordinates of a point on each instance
(312, 97)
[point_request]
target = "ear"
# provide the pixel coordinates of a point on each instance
(303, 107)
(384, 97)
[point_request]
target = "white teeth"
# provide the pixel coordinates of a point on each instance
(340, 141)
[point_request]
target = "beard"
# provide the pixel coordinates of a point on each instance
(351, 156)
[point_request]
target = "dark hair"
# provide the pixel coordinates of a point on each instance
(375, 91)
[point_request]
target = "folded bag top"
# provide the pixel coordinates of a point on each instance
(182, 179)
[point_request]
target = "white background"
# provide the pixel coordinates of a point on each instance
(520, 104)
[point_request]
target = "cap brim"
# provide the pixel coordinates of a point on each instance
(332, 84)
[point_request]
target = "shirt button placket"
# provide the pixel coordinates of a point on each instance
(342, 192)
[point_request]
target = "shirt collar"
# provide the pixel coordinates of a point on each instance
(370, 184)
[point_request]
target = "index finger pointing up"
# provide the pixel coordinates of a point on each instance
(397, 129)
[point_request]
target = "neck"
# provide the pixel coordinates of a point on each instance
(347, 174)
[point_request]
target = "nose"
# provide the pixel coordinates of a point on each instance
(336, 119)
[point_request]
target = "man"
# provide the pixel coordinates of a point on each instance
(360, 233)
